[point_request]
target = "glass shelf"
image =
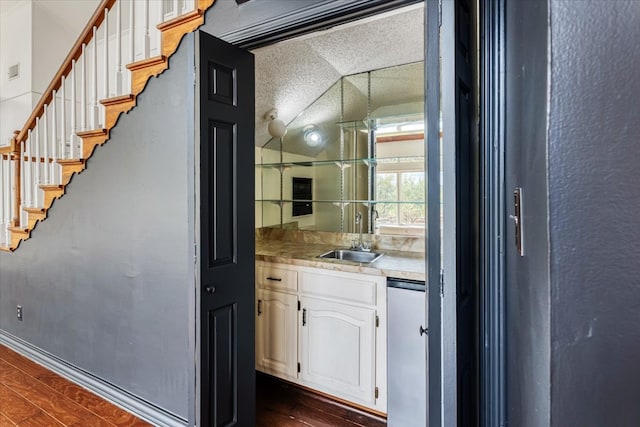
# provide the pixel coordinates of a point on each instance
(342, 163)
(345, 202)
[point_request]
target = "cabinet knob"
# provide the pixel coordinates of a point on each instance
(423, 331)
(210, 289)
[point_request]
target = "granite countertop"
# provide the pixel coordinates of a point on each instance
(400, 264)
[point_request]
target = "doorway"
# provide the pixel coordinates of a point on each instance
(440, 381)
(358, 89)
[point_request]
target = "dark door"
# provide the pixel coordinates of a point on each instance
(466, 218)
(226, 78)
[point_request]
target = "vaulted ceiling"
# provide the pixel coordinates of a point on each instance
(292, 74)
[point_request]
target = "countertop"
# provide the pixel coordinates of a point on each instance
(400, 264)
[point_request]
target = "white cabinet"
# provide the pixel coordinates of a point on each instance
(277, 333)
(337, 349)
(323, 329)
(277, 321)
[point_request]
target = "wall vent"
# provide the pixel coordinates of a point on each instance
(14, 71)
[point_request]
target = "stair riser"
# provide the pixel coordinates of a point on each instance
(113, 111)
(90, 143)
(69, 170)
(50, 196)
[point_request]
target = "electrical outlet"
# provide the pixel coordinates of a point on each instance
(19, 312)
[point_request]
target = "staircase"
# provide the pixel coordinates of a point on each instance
(83, 103)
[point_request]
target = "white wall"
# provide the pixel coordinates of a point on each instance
(15, 48)
(38, 35)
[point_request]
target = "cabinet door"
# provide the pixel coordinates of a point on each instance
(276, 333)
(338, 349)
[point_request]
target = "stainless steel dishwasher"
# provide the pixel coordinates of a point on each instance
(406, 353)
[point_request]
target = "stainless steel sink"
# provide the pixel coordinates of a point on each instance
(349, 255)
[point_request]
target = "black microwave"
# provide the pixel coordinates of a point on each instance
(302, 195)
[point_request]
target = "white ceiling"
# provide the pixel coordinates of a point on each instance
(292, 74)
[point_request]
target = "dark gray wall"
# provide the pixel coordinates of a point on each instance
(106, 282)
(594, 206)
(527, 278)
(226, 17)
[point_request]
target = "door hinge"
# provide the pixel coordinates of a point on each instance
(299, 305)
(441, 283)
(298, 367)
(377, 321)
(376, 393)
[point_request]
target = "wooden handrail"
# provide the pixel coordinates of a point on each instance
(65, 68)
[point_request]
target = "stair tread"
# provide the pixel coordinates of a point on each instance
(154, 60)
(70, 161)
(118, 99)
(18, 229)
(35, 210)
(92, 132)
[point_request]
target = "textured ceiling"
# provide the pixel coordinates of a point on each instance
(292, 74)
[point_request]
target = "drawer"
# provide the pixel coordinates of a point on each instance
(276, 278)
(343, 287)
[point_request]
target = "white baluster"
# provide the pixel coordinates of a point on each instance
(83, 90)
(176, 11)
(3, 191)
(132, 33)
(63, 121)
(72, 136)
(45, 131)
(147, 40)
(27, 172)
(10, 197)
(22, 187)
(118, 49)
(38, 181)
(161, 10)
(94, 107)
(6, 201)
(106, 54)
(54, 142)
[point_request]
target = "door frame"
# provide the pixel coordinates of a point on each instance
(434, 244)
(439, 35)
(493, 213)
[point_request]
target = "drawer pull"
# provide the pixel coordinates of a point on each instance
(274, 279)
(259, 307)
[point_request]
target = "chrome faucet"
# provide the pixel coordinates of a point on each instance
(359, 224)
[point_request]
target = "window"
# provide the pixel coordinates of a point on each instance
(401, 201)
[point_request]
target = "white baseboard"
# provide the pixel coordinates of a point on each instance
(119, 397)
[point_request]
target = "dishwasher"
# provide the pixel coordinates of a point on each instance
(406, 353)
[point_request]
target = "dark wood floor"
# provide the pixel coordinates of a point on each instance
(31, 395)
(281, 404)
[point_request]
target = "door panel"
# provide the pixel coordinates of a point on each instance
(277, 333)
(338, 349)
(221, 331)
(226, 79)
